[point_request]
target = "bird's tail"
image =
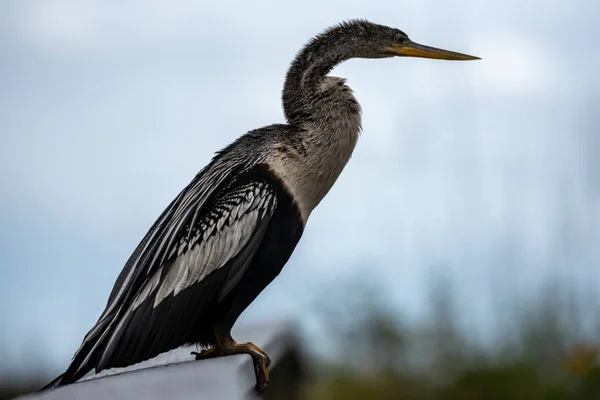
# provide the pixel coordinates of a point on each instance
(80, 366)
(54, 384)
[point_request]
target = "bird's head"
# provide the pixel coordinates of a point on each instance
(369, 40)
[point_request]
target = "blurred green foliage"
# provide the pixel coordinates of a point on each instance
(544, 348)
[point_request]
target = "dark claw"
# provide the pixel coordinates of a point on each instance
(261, 368)
(257, 374)
(201, 355)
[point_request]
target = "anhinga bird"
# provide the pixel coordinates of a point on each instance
(229, 233)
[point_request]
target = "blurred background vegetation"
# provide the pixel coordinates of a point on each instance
(543, 346)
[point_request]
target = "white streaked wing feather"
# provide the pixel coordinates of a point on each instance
(210, 251)
(215, 251)
(149, 288)
(143, 264)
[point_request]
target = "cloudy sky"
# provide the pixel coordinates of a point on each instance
(486, 171)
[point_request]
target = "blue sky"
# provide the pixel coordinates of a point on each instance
(486, 171)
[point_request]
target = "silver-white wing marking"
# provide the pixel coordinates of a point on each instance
(222, 232)
(189, 202)
(219, 239)
(144, 261)
(165, 229)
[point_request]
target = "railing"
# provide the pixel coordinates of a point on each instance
(176, 375)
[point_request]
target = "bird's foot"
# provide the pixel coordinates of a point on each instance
(260, 359)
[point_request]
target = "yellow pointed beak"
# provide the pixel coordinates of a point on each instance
(412, 49)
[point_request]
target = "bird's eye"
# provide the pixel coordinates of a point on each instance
(400, 38)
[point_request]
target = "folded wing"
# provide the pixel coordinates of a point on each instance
(192, 257)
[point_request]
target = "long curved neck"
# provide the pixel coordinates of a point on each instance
(309, 69)
(327, 113)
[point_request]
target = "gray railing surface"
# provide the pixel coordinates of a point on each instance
(176, 375)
